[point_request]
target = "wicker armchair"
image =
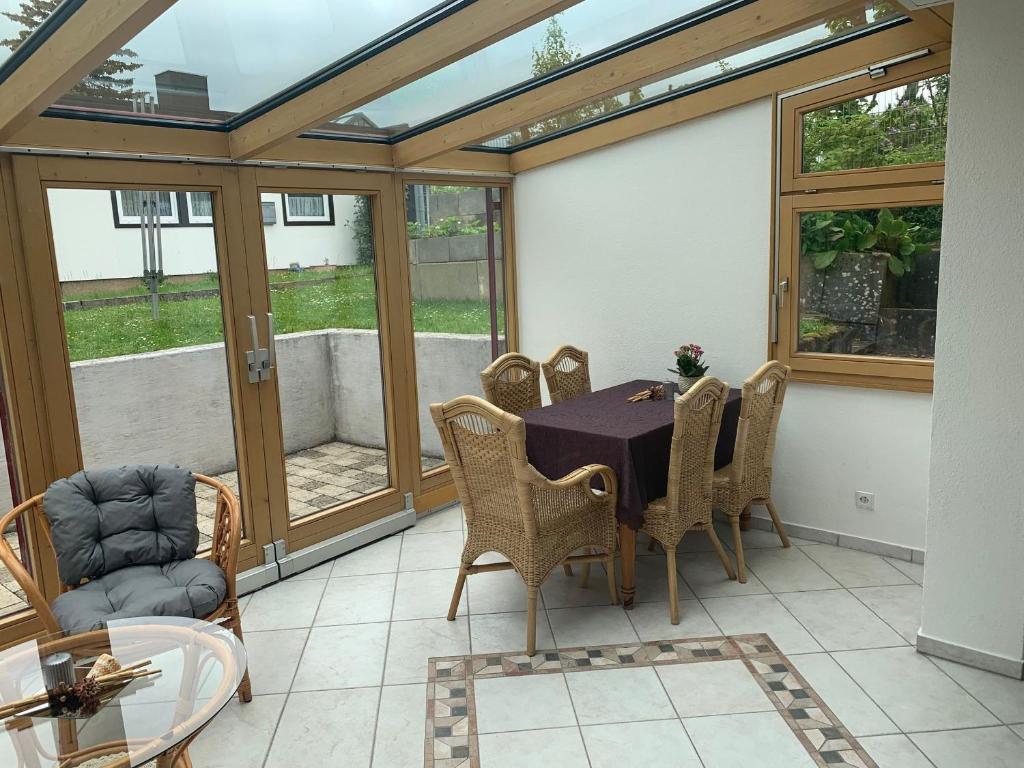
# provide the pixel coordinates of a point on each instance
(748, 479)
(512, 382)
(567, 373)
(512, 509)
(227, 533)
(691, 467)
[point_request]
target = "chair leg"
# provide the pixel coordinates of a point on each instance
(567, 569)
(777, 523)
(460, 582)
(720, 551)
(741, 570)
(673, 584)
(609, 566)
(531, 621)
(585, 574)
(245, 688)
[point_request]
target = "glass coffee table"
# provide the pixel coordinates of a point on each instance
(152, 718)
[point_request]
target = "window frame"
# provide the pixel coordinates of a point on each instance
(290, 220)
(897, 186)
(197, 219)
(795, 179)
(124, 220)
(181, 205)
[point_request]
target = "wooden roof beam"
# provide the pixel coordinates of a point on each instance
(699, 44)
(819, 66)
(85, 40)
(454, 37)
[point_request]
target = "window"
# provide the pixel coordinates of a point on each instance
(898, 126)
(860, 227)
(200, 207)
(308, 209)
(203, 62)
(457, 241)
(129, 205)
(176, 209)
(691, 78)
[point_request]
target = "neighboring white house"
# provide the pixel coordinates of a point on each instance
(97, 232)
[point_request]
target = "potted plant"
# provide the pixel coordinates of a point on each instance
(690, 366)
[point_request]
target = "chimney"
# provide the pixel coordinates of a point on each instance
(181, 93)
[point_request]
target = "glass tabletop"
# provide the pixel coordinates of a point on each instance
(201, 666)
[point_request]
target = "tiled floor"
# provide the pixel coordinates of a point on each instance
(339, 662)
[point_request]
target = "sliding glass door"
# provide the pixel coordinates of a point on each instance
(281, 330)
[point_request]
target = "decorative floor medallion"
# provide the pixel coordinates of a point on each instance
(451, 736)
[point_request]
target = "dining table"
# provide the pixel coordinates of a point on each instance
(633, 438)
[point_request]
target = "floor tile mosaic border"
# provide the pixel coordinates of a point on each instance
(451, 728)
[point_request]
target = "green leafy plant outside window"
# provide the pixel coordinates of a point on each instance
(823, 236)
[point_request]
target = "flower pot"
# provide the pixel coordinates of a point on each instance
(685, 382)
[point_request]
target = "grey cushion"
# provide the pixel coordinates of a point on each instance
(105, 519)
(189, 588)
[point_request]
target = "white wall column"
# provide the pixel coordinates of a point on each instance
(974, 580)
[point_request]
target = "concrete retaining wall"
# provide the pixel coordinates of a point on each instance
(173, 405)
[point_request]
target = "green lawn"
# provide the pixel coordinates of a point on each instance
(347, 302)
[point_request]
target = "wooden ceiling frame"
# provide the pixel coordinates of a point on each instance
(64, 134)
(694, 45)
(445, 41)
(86, 39)
(832, 62)
(761, 19)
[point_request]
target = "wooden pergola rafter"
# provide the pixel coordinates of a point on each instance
(97, 30)
(692, 46)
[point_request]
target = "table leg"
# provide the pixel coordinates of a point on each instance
(627, 550)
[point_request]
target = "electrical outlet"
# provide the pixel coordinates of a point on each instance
(864, 500)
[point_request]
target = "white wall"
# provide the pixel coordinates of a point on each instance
(631, 250)
(90, 247)
(972, 594)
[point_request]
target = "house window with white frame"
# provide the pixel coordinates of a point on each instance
(128, 207)
(307, 209)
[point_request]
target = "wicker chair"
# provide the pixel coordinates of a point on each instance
(748, 479)
(567, 373)
(514, 510)
(691, 467)
(227, 533)
(512, 382)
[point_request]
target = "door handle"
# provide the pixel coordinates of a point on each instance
(783, 290)
(259, 358)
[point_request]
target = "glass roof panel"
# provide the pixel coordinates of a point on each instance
(832, 29)
(207, 61)
(19, 19)
(580, 30)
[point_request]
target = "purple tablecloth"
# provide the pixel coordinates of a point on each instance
(634, 439)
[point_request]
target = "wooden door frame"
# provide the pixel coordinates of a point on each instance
(33, 176)
(395, 348)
